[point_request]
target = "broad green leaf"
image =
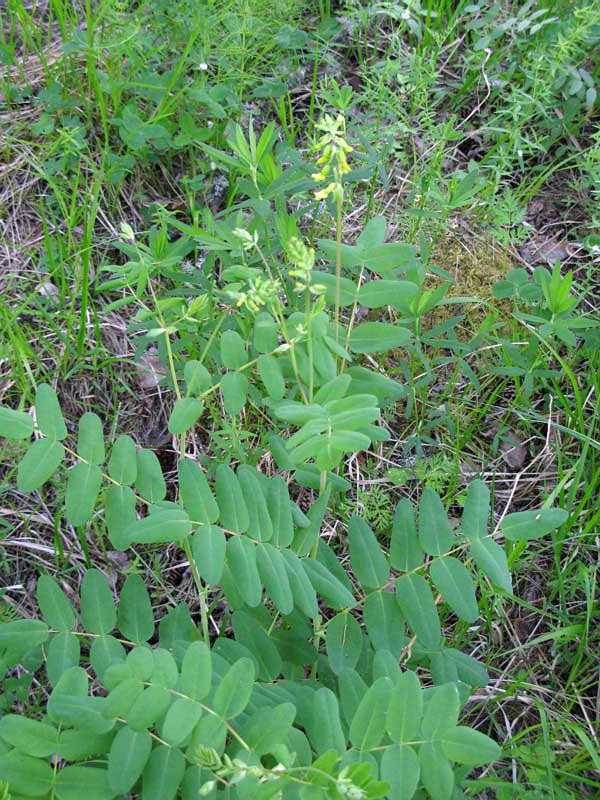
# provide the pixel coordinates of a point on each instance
(170, 525)
(269, 727)
(333, 592)
(365, 380)
(98, 612)
(62, 653)
(197, 378)
(90, 441)
(123, 697)
(384, 622)
(48, 413)
(368, 725)
(347, 294)
(122, 464)
(334, 390)
(307, 536)
(436, 773)
(378, 337)
(469, 670)
(263, 649)
(120, 514)
(234, 388)
(476, 513)
(15, 424)
(468, 746)
(163, 773)
(29, 735)
(305, 597)
(265, 333)
(403, 721)
(441, 712)
(377, 294)
(260, 526)
(241, 560)
(76, 745)
(29, 776)
(164, 669)
(280, 511)
(526, 525)
(369, 564)
(149, 481)
(344, 642)
(208, 548)
(435, 533)
(180, 720)
(135, 619)
(233, 350)
(186, 412)
(196, 671)
(324, 728)
(55, 606)
(127, 758)
(195, 493)
(23, 635)
(405, 551)
(232, 506)
(491, 560)
(233, 693)
(273, 574)
(70, 780)
(401, 769)
(270, 373)
(38, 464)
(83, 487)
(454, 582)
(352, 689)
(418, 607)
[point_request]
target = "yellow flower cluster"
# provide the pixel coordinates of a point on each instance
(333, 147)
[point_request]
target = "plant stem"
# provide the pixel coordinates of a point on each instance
(200, 587)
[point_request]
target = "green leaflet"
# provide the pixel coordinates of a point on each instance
(30, 736)
(270, 373)
(491, 560)
(368, 724)
(149, 480)
(62, 652)
(378, 337)
(48, 413)
(280, 511)
(70, 780)
(232, 506)
(27, 775)
(323, 725)
(344, 642)
(468, 746)
(527, 525)
(405, 551)
(180, 720)
(55, 606)
(195, 493)
(98, 612)
(476, 513)
(104, 651)
(168, 525)
(120, 514)
(401, 769)
(209, 547)
(241, 560)
(395, 293)
(234, 388)
(403, 720)
(273, 573)
(83, 487)
(90, 441)
(233, 350)
(122, 464)
(38, 464)
(441, 712)
(127, 758)
(369, 564)
(134, 617)
(252, 635)
(197, 378)
(436, 773)
(418, 607)
(435, 533)
(186, 412)
(454, 582)
(15, 424)
(233, 693)
(384, 622)
(333, 592)
(163, 773)
(196, 671)
(305, 597)
(260, 526)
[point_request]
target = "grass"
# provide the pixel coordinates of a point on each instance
(105, 111)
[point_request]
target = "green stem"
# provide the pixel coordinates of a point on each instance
(201, 589)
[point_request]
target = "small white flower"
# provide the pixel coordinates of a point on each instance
(202, 66)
